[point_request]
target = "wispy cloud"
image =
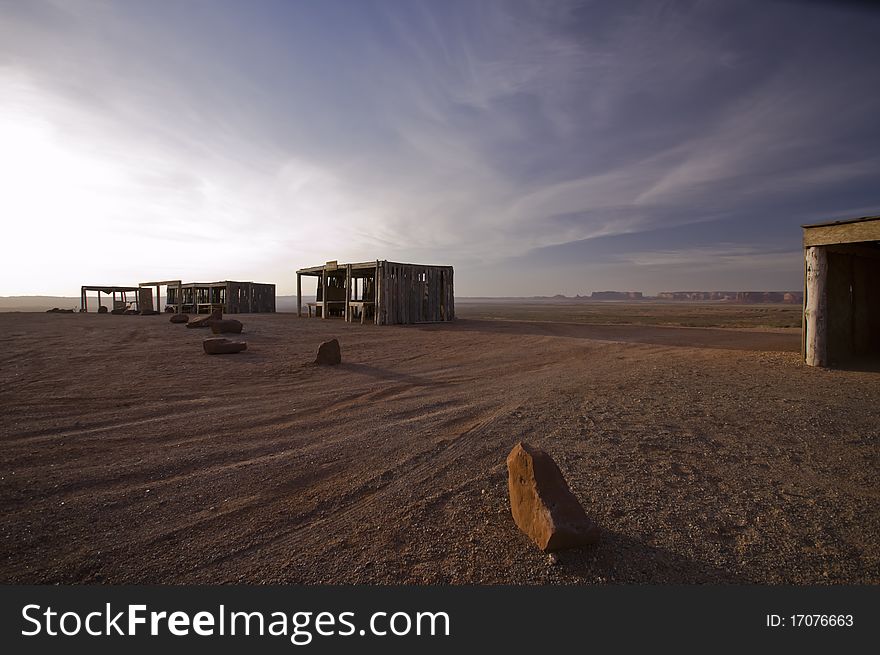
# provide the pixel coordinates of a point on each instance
(479, 134)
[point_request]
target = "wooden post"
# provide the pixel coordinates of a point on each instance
(324, 294)
(99, 300)
(377, 300)
(299, 295)
(347, 290)
(816, 306)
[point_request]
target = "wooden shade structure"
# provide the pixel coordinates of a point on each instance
(841, 292)
(229, 296)
(118, 294)
(381, 292)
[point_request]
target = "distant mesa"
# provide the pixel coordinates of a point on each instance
(791, 297)
(616, 295)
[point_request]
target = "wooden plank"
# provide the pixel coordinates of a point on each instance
(823, 235)
(451, 294)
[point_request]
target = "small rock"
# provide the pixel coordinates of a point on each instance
(179, 318)
(552, 559)
(542, 504)
(205, 321)
(329, 353)
(221, 346)
(226, 325)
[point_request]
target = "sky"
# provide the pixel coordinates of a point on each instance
(538, 147)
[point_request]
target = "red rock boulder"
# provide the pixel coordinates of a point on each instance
(221, 346)
(226, 326)
(179, 318)
(205, 321)
(329, 353)
(542, 504)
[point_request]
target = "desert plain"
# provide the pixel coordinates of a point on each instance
(695, 437)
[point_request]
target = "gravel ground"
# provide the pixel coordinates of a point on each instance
(705, 455)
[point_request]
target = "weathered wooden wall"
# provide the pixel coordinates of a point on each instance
(249, 298)
(411, 293)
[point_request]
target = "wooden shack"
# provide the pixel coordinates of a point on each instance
(841, 323)
(380, 292)
(228, 296)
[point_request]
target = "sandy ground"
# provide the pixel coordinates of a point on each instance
(705, 455)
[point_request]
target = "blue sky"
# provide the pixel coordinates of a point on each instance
(539, 147)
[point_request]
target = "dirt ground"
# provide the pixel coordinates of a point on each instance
(644, 312)
(705, 455)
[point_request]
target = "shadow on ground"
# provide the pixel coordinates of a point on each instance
(619, 558)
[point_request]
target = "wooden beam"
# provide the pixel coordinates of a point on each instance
(299, 295)
(824, 235)
(816, 303)
(324, 295)
(377, 298)
(347, 291)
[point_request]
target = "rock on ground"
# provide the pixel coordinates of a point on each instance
(221, 346)
(180, 318)
(226, 325)
(329, 353)
(542, 504)
(205, 321)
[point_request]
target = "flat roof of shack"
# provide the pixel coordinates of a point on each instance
(107, 289)
(851, 230)
(843, 221)
(332, 265)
